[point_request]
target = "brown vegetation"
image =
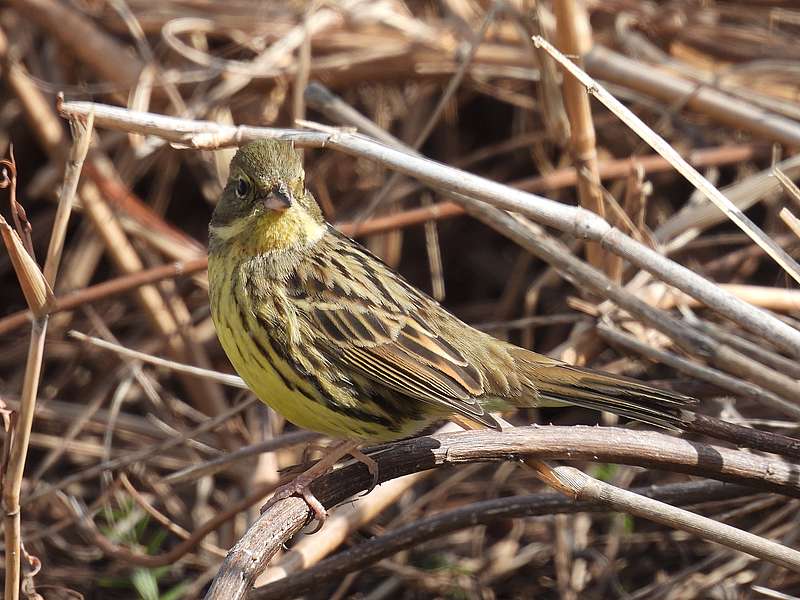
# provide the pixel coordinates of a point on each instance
(130, 465)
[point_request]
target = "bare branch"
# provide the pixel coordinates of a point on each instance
(573, 220)
(643, 448)
(478, 513)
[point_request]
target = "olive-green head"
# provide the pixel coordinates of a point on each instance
(265, 204)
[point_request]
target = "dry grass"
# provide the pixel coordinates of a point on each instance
(138, 477)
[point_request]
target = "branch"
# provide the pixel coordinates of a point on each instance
(642, 448)
(574, 35)
(479, 513)
(14, 468)
(660, 145)
(573, 220)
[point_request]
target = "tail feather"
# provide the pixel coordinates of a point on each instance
(559, 383)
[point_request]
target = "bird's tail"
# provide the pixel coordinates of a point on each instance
(557, 383)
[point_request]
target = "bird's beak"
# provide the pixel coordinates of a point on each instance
(277, 199)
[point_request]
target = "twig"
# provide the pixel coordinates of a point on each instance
(788, 185)
(479, 513)
(694, 218)
(790, 220)
(664, 149)
(107, 289)
(582, 487)
(772, 298)
(573, 33)
(758, 351)
(82, 133)
(340, 112)
(12, 482)
(231, 380)
(215, 465)
(644, 448)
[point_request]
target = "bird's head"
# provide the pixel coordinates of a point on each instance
(265, 205)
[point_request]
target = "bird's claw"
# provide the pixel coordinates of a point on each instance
(299, 486)
(372, 467)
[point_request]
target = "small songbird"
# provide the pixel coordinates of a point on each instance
(337, 342)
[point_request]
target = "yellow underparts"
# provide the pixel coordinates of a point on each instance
(270, 377)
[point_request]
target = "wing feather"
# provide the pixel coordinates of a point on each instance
(384, 333)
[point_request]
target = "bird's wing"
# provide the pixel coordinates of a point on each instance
(368, 320)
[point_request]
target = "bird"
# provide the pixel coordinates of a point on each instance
(337, 342)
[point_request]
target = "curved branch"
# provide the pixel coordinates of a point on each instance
(602, 444)
(479, 513)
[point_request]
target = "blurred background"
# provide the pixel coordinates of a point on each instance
(461, 81)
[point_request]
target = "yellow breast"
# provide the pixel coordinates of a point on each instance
(247, 345)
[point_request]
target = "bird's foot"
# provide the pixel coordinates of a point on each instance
(300, 486)
(370, 463)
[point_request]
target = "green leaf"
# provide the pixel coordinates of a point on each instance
(604, 471)
(145, 583)
(176, 592)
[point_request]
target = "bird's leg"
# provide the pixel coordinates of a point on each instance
(543, 471)
(300, 485)
(370, 463)
(312, 447)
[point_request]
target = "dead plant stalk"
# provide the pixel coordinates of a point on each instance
(574, 37)
(661, 146)
(574, 220)
(12, 483)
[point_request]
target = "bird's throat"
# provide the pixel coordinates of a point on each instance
(272, 232)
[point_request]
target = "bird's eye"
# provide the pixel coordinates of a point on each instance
(242, 187)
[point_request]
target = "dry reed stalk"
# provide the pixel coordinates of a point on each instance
(791, 221)
(18, 451)
(574, 36)
(667, 151)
